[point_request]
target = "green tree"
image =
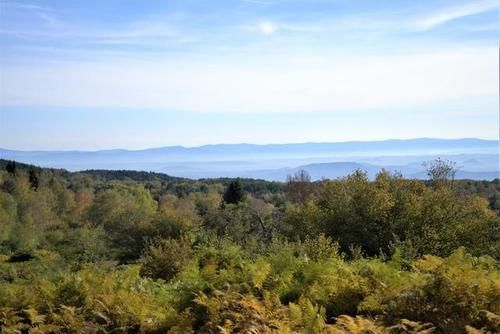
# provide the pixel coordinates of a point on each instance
(11, 167)
(234, 193)
(298, 186)
(126, 213)
(357, 212)
(34, 179)
(441, 171)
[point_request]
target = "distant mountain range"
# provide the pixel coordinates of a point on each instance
(339, 169)
(475, 158)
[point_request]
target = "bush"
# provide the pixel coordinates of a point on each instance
(164, 258)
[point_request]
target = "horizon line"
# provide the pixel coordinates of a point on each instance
(250, 144)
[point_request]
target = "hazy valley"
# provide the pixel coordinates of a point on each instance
(474, 158)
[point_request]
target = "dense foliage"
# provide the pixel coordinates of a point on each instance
(128, 252)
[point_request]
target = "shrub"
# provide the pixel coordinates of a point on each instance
(164, 258)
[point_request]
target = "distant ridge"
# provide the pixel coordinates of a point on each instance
(388, 143)
(477, 158)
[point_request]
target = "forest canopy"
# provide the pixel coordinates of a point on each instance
(138, 252)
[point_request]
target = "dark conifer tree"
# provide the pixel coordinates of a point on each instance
(234, 193)
(34, 180)
(11, 167)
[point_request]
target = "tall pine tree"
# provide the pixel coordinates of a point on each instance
(234, 193)
(11, 167)
(34, 180)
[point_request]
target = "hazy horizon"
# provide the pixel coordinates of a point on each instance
(474, 158)
(245, 143)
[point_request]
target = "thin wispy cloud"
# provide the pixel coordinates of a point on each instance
(136, 33)
(381, 22)
(47, 18)
(164, 30)
(56, 26)
(8, 5)
(46, 14)
(456, 12)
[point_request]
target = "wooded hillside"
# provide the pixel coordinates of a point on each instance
(138, 252)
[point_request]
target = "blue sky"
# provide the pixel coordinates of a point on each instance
(133, 74)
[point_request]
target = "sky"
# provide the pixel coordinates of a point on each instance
(93, 74)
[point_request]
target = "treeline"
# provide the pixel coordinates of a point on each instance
(138, 252)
